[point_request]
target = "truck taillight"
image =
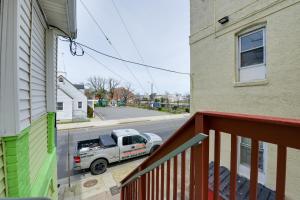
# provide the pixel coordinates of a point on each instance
(77, 159)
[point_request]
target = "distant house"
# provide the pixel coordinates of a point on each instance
(71, 101)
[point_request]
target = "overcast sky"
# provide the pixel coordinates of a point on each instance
(160, 29)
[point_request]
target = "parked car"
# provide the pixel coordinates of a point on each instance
(121, 144)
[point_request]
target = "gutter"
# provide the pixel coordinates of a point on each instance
(72, 20)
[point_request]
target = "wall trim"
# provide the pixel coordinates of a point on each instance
(9, 115)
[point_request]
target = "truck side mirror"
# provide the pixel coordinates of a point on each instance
(145, 141)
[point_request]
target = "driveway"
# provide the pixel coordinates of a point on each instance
(109, 113)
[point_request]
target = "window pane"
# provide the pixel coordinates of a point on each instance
(253, 57)
(252, 41)
(245, 154)
(126, 140)
(137, 139)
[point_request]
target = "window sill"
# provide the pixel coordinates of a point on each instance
(251, 83)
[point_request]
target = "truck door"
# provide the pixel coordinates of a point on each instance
(132, 146)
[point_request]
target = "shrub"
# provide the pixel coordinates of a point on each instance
(90, 112)
(187, 110)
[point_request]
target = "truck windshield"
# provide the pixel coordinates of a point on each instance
(146, 136)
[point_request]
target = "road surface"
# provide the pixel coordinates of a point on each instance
(163, 128)
(109, 113)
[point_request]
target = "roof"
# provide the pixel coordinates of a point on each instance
(64, 92)
(61, 14)
(125, 132)
(243, 185)
(79, 86)
(59, 86)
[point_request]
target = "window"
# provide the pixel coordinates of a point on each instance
(59, 106)
(79, 104)
(252, 56)
(245, 154)
(137, 139)
(127, 140)
(61, 79)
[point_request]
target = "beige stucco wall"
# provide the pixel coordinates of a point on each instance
(213, 68)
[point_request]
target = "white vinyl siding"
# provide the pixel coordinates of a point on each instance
(38, 66)
(24, 63)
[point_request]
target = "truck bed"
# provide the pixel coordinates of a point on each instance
(104, 141)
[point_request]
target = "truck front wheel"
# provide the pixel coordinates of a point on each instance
(98, 166)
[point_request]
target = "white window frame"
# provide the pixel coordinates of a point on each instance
(244, 170)
(61, 106)
(239, 52)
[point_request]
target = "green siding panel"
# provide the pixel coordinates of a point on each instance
(37, 147)
(30, 164)
(17, 164)
(51, 132)
(3, 178)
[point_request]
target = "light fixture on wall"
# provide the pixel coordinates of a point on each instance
(224, 20)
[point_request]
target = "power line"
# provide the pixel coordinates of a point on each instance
(132, 62)
(106, 67)
(108, 40)
(133, 42)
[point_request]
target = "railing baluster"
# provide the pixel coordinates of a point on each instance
(122, 193)
(254, 169)
(205, 167)
(168, 180)
(233, 167)
(281, 172)
(130, 191)
(157, 183)
(217, 165)
(162, 184)
(192, 170)
(142, 188)
(198, 172)
(175, 178)
(182, 175)
(136, 190)
(148, 186)
(152, 184)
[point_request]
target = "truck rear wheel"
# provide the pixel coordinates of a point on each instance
(98, 166)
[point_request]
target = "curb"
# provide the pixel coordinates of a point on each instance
(118, 122)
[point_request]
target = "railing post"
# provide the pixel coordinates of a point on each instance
(202, 160)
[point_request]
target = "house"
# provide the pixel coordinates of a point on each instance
(71, 101)
(245, 59)
(28, 55)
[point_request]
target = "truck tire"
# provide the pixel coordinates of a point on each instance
(153, 149)
(98, 166)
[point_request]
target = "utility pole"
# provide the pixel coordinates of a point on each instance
(151, 88)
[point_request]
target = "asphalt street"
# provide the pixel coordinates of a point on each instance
(163, 128)
(109, 113)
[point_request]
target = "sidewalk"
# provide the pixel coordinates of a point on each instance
(101, 123)
(100, 187)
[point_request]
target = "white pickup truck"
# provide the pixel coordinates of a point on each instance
(120, 145)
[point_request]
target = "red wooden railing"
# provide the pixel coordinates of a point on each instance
(280, 131)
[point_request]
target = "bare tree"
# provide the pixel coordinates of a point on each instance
(127, 93)
(112, 85)
(97, 85)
